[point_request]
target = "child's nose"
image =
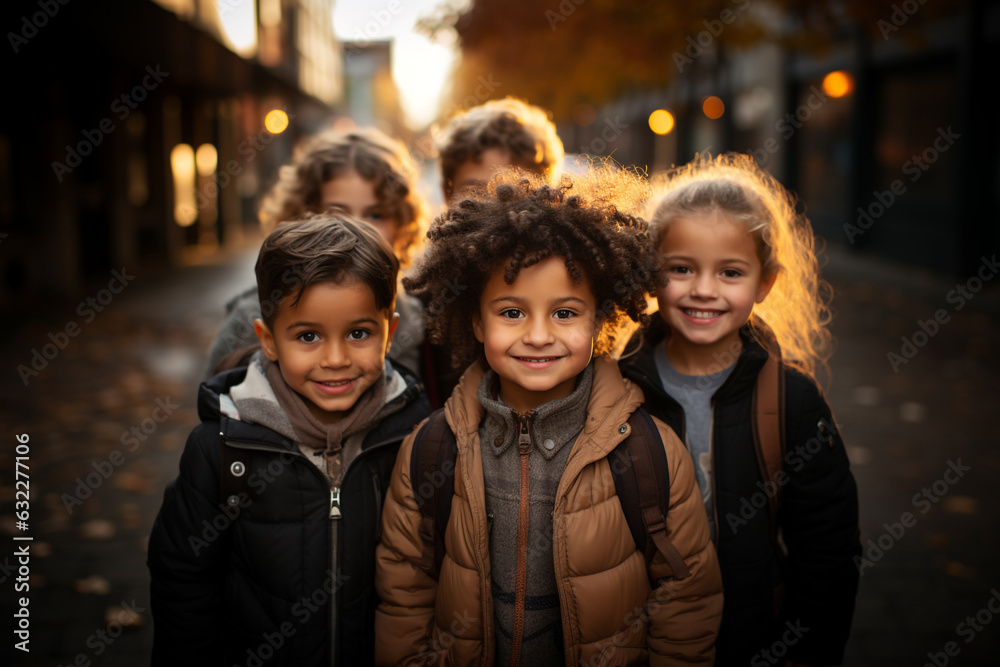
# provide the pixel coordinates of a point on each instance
(705, 286)
(538, 332)
(335, 355)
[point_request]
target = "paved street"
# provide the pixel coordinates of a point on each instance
(108, 413)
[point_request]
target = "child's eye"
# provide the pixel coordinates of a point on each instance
(564, 314)
(376, 216)
(308, 337)
(358, 334)
(511, 314)
(683, 270)
(732, 273)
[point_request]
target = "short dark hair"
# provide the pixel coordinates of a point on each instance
(518, 220)
(327, 247)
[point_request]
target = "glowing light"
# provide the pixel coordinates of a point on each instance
(420, 69)
(182, 165)
(276, 121)
(713, 107)
(206, 158)
(661, 121)
(838, 84)
(238, 20)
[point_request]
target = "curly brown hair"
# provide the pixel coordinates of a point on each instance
(509, 124)
(517, 221)
(376, 157)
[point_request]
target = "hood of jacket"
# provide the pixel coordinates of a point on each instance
(612, 400)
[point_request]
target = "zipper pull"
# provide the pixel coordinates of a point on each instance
(524, 431)
(335, 502)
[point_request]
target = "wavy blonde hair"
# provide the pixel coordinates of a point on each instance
(377, 158)
(797, 309)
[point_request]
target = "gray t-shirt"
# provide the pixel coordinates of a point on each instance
(694, 393)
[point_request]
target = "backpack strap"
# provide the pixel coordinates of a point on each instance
(638, 465)
(769, 432)
(432, 479)
(642, 482)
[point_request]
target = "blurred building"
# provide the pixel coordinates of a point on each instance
(371, 97)
(141, 133)
(887, 140)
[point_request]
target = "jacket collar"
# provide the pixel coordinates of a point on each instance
(612, 400)
(553, 424)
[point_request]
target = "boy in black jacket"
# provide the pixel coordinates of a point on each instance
(263, 551)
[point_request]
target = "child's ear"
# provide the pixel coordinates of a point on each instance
(393, 325)
(477, 328)
(766, 283)
(266, 339)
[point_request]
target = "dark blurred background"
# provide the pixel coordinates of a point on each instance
(137, 138)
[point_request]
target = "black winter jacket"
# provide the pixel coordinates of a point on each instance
(818, 517)
(255, 586)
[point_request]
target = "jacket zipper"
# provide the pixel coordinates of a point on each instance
(524, 449)
(335, 514)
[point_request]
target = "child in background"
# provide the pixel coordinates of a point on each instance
(499, 133)
(540, 567)
(364, 174)
(264, 548)
(742, 283)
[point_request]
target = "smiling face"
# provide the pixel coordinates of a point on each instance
(715, 278)
(330, 347)
(538, 334)
(350, 193)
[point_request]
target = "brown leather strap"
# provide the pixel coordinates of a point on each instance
(768, 433)
(652, 484)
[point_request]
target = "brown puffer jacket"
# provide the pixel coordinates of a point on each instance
(610, 614)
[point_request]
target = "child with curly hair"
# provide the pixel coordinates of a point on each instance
(529, 282)
(743, 285)
(365, 174)
(499, 133)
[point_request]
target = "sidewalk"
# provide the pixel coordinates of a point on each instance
(127, 381)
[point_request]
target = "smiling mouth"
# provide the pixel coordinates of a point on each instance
(701, 314)
(537, 360)
(335, 383)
